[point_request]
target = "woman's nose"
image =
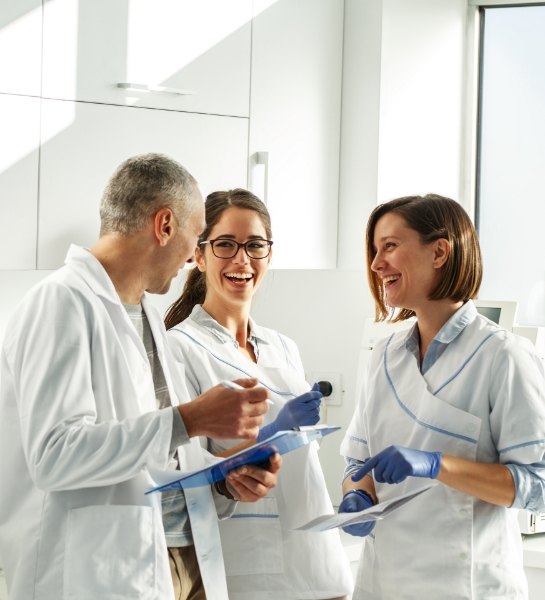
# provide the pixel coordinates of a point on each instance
(241, 256)
(377, 263)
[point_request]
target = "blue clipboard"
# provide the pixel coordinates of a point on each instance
(281, 443)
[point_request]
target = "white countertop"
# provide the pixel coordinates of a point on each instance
(533, 547)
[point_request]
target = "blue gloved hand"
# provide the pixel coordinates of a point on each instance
(303, 410)
(354, 501)
(395, 463)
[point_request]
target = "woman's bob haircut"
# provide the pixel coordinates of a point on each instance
(432, 217)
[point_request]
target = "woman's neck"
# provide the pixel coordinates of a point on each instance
(430, 320)
(234, 317)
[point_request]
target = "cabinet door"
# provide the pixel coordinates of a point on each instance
(20, 127)
(295, 122)
(20, 47)
(86, 142)
(163, 48)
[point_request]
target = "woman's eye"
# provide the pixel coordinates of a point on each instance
(257, 244)
(225, 244)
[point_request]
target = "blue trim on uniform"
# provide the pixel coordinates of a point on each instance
(253, 516)
(411, 414)
(523, 445)
(466, 361)
(359, 440)
(225, 362)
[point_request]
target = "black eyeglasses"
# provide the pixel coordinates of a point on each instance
(227, 248)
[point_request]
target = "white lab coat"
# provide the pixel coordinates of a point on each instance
(79, 430)
(482, 400)
(264, 559)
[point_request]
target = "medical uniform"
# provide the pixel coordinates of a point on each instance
(482, 400)
(264, 559)
(79, 431)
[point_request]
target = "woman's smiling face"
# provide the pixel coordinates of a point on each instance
(233, 279)
(406, 266)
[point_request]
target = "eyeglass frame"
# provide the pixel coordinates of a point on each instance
(239, 246)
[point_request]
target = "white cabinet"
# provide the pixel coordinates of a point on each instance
(183, 55)
(86, 142)
(20, 47)
(19, 151)
(295, 113)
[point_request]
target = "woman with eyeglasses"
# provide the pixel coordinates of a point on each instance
(215, 339)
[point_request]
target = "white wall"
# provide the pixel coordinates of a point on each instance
(403, 108)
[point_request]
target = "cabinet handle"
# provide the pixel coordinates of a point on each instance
(159, 89)
(259, 173)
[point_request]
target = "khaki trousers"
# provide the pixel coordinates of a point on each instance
(186, 575)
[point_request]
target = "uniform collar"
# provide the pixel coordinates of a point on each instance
(201, 317)
(465, 315)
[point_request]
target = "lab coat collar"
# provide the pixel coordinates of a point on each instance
(201, 317)
(89, 268)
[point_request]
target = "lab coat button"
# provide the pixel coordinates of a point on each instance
(471, 427)
(463, 555)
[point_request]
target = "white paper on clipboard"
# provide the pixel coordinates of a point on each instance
(373, 513)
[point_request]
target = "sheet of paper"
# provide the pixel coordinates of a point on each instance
(281, 443)
(373, 513)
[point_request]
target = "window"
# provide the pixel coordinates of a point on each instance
(510, 195)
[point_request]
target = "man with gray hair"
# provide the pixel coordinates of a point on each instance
(90, 404)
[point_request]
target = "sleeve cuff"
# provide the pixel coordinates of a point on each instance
(179, 432)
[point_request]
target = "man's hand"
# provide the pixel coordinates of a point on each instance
(250, 483)
(222, 413)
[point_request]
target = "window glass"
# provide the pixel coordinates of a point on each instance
(511, 175)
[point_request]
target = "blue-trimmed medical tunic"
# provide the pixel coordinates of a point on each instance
(264, 558)
(482, 399)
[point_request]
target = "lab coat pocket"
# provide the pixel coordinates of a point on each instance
(252, 539)
(110, 553)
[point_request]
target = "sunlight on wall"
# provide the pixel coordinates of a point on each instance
(20, 49)
(60, 48)
(179, 40)
(60, 116)
(20, 124)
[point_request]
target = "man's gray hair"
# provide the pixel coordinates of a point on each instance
(141, 186)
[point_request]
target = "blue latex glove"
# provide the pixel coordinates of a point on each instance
(395, 463)
(354, 501)
(303, 410)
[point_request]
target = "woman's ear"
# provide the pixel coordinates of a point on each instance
(199, 259)
(442, 250)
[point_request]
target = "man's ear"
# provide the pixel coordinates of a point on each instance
(164, 225)
(442, 250)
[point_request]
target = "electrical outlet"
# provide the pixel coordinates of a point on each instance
(336, 397)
